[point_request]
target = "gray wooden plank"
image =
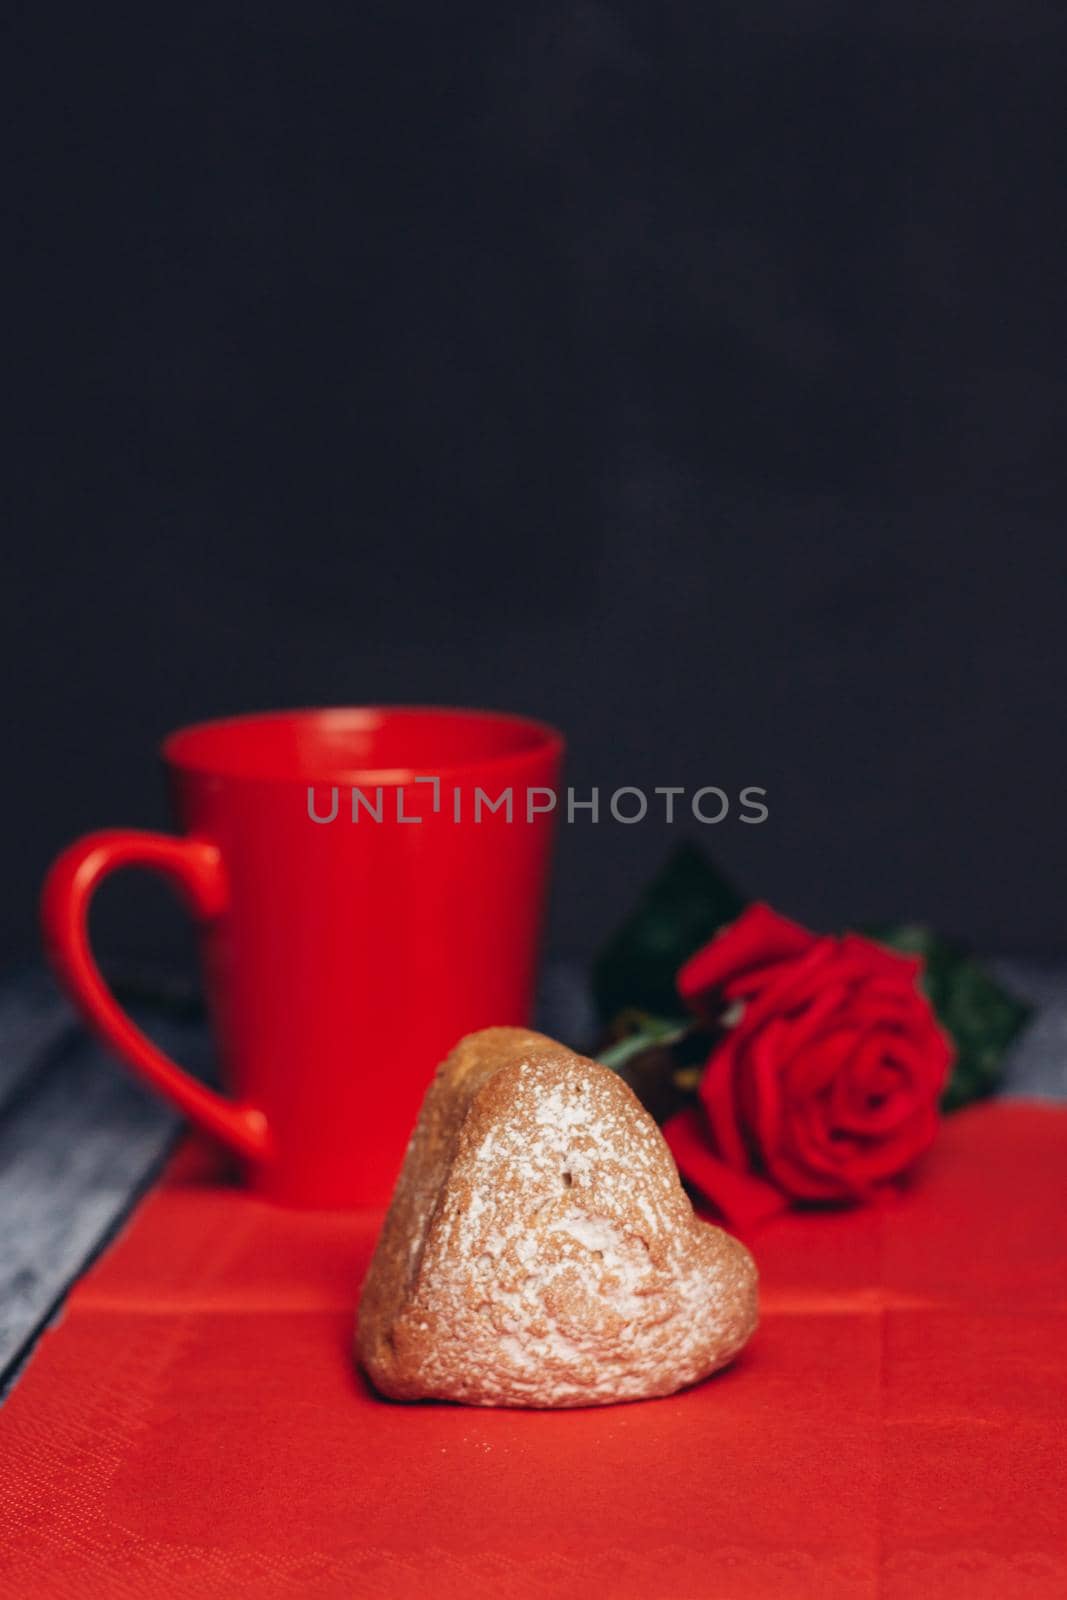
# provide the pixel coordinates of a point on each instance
(34, 1017)
(1036, 1066)
(77, 1147)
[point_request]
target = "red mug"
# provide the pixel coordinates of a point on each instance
(369, 886)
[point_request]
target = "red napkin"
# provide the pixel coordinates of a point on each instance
(194, 1425)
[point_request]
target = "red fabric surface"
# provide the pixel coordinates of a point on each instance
(194, 1425)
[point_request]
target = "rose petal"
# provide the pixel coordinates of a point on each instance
(820, 1062)
(739, 957)
(759, 1087)
(740, 1197)
(878, 1089)
(879, 959)
(859, 1110)
(719, 1100)
(872, 1162)
(804, 1166)
(791, 987)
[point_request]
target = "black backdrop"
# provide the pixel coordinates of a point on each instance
(692, 376)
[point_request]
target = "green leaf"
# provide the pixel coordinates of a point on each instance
(982, 1018)
(687, 902)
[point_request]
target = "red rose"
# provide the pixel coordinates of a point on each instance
(828, 1081)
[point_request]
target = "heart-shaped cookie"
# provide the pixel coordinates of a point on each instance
(539, 1249)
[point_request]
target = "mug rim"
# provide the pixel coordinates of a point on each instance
(179, 748)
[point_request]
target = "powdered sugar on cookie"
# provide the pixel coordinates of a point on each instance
(540, 1250)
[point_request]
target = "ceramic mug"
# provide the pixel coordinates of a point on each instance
(368, 885)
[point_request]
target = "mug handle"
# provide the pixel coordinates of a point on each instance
(195, 867)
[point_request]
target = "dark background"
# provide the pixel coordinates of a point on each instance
(691, 376)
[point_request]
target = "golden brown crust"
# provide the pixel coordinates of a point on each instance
(539, 1249)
